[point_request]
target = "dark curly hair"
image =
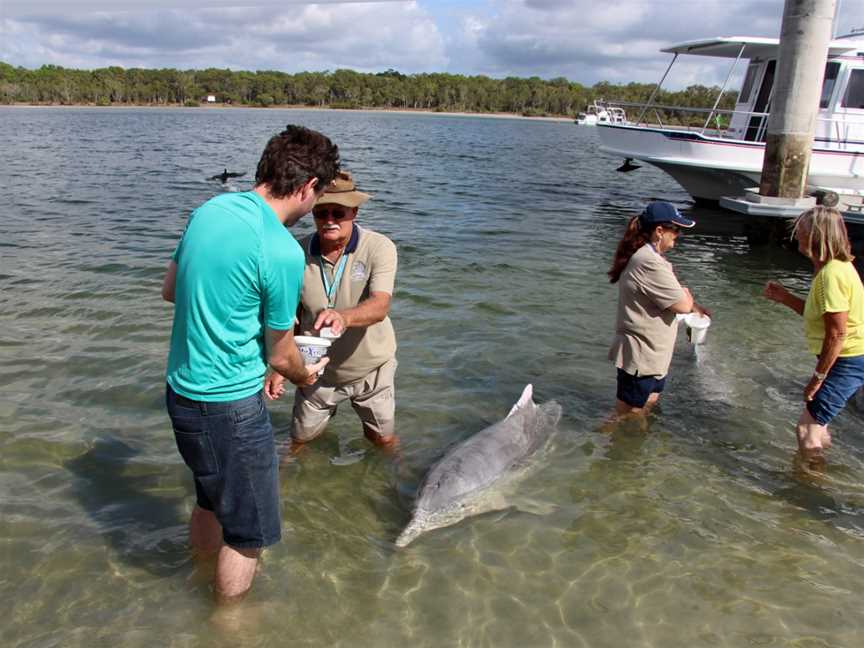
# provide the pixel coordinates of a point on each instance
(294, 156)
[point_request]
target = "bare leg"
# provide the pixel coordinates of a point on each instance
(812, 435)
(205, 532)
(301, 436)
(625, 410)
(650, 403)
(388, 444)
(235, 569)
(813, 438)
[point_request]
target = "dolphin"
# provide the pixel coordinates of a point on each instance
(223, 177)
(461, 483)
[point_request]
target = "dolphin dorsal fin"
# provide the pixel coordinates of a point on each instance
(526, 397)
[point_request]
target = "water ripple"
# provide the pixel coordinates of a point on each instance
(701, 530)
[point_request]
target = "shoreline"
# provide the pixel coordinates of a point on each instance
(403, 111)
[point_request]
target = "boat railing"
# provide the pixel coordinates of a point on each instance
(671, 116)
(716, 120)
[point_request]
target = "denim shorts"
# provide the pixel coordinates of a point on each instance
(635, 390)
(230, 449)
(844, 379)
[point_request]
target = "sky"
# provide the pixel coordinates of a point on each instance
(583, 40)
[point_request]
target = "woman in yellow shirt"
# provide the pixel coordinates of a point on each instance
(833, 323)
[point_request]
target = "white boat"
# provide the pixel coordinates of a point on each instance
(599, 113)
(723, 156)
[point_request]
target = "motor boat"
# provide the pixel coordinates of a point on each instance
(599, 113)
(722, 156)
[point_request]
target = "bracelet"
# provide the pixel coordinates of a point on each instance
(820, 376)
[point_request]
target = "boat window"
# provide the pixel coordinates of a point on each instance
(749, 80)
(831, 70)
(854, 97)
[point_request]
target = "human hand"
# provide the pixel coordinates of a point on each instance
(775, 291)
(813, 386)
(312, 372)
(332, 318)
(274, 385)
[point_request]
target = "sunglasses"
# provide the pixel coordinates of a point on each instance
(337, 213)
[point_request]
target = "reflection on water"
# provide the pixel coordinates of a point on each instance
(698, 530)
(142, 526)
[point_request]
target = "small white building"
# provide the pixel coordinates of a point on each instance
(211, 98)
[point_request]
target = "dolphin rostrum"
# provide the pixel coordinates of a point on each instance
(460, 483)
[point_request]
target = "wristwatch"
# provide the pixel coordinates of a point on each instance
(820, 376)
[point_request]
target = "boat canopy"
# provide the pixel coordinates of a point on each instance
(754, 47)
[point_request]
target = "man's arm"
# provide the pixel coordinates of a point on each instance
(369, 311)
(284, 356)
(169, 282)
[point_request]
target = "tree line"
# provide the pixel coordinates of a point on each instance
(51, 84)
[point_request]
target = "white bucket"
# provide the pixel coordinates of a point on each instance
(697, 327)
(312, 348)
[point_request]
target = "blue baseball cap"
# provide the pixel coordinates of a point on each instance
(663, 212)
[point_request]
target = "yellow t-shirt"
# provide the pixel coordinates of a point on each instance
(836, 288)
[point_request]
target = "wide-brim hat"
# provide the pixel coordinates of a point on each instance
(660, 212)
(342, 191)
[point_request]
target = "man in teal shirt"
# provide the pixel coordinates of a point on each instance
(235, 281)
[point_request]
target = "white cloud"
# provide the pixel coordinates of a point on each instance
(583, 40)
(361, 36)
(589, 41)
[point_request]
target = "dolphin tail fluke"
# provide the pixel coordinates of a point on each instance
(526, 398)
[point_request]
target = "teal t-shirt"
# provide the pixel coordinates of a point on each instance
(238, 270)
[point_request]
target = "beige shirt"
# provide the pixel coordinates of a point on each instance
(370, 267)
(645, 329)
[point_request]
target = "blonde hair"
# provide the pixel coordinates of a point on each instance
(824, 234)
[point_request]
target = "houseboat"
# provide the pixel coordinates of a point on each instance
(723, 155)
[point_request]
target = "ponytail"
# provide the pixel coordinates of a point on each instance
(634, 238)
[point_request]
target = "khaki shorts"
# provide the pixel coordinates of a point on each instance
(372, 397)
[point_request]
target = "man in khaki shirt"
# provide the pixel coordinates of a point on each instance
(347, 288)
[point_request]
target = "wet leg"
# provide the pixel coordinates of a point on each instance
(389, 444)
(813, 437)
(625, 411)
(235, 569)
(811, 434)
(650, 403)
(205, 532)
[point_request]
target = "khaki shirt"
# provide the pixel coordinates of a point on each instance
(371, 267)
(645, 329)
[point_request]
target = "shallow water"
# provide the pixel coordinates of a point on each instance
(700, 532)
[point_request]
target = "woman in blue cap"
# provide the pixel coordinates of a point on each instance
(649, 298)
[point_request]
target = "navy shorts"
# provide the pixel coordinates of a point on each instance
(232, 454)
(635, 390)
(844, 379)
